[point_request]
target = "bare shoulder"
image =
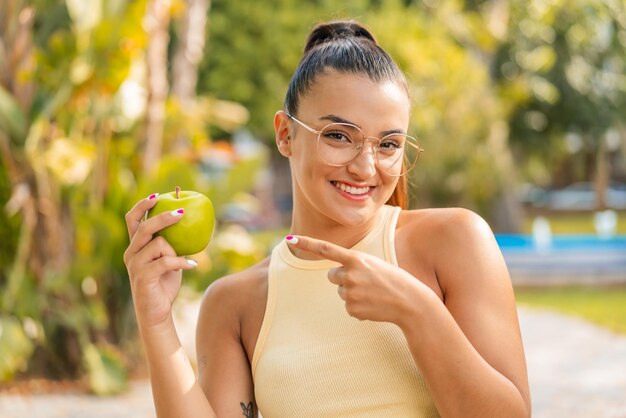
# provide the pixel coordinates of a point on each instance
(239, 284)
(447, 221)
(444, 229)
(457, 243)
(233, 294)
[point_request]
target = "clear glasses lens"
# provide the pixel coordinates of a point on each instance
(338, 144)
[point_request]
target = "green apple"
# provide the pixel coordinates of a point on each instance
(193, 232)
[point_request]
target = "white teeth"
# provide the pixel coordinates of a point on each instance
(350, 189)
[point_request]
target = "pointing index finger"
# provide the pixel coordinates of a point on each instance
(322, 248)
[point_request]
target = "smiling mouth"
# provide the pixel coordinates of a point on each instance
(355, 191)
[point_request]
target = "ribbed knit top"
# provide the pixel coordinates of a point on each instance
(314, 360)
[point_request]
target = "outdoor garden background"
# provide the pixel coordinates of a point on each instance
(103, 102)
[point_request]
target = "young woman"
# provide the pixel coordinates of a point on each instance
(367, 309)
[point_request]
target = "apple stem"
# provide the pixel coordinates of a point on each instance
(177, 192)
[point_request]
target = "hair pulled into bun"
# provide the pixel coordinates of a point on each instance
(344, 46)
(331, 31)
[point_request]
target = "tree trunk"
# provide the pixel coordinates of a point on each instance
(602, 174)
(507, 213)
(191, 34)
(191, 31)
(157, 22)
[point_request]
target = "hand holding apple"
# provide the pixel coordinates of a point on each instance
(193, 232)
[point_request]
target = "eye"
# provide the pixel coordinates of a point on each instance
(391, 144)
(337, 135)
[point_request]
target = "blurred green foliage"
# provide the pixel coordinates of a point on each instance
(501, 89)
(9, 226)
(566, 62)
(71, 169)
(15, 346)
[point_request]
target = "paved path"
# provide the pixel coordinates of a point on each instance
(137, 403)
(576, 370)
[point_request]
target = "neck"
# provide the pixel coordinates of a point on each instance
(323, 228)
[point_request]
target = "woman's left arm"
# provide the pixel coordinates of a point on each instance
(468, 347)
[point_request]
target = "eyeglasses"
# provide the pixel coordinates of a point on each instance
(338, 144)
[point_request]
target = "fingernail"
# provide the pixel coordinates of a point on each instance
(153, 196)
(177, 212)
(192, 263)
(291, 239)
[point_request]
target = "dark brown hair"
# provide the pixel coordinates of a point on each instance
(346, 47)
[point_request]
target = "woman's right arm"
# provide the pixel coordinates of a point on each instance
(223, 368)
(155, 276)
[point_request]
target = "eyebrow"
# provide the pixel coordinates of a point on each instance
(338, 119)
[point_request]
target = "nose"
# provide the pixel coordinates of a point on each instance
(364, 165)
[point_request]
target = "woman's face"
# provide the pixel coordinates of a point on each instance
(348, 195)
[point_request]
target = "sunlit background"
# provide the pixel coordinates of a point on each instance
(520, 106)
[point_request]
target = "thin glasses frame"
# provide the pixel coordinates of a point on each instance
(405, 169)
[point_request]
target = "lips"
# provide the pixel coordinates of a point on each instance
(353, 190)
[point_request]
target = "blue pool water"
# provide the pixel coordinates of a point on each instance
(516, 242)
(563, 259)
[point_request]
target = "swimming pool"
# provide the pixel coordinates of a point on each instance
(516, 242)
(560, 259)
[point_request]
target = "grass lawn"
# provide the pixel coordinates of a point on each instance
(604, 306)
(574, 223)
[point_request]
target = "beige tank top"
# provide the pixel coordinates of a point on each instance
(313, 360)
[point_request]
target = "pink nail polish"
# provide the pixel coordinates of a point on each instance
(153, 196)
(291, 239)
(181, 211)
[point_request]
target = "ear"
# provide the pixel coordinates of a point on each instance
(283, 134)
